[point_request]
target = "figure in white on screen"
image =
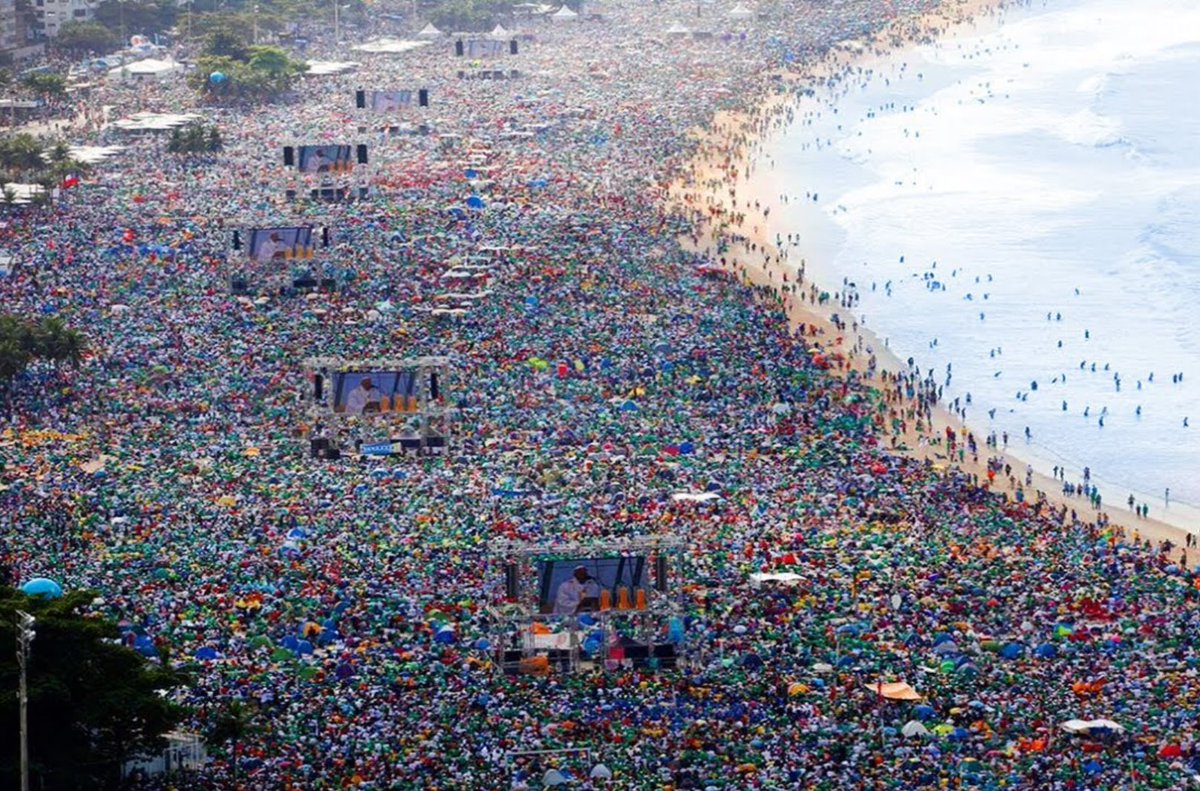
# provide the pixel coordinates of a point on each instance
(362, 396)
(574, 591)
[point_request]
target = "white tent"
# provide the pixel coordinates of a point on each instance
(155, 122)
(21, 194)
(322, 68)
(429, 31)
(94, 155)
(783, 578)
(914, 728)
(678, 30)
(693, 497)
(1087, 726)
(564, 13)
(389, 46)
(150, 68)
(740, 11)
(500, 33)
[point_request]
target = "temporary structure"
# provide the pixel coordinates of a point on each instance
(782, 578)
(740, 11)
(895, 691)
(429, 31)
(564, 14)
(1087, 726)
(150, 68)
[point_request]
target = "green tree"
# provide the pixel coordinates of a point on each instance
(264, 74)
(146, 16)
(22, 342)
(232, 725)
(53, 85)
(271, 60)
(469, 15)
(85, 36)
(21, 154)
(51, 339)
(93, 703)
(227, 41)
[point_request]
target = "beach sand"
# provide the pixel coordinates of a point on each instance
(727, 179)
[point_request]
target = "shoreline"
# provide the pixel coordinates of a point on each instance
(730, 180)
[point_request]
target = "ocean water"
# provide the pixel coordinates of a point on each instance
(1021, 202)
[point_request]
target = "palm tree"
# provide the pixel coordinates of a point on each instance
(231, 725)
(51, 339)
(21, 153)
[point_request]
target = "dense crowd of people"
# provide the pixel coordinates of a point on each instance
(171, 471)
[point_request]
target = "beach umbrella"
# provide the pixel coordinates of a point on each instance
(145, 646)
(1170, 751)
(1011, 650)
(553, 778)
(40, 586)
(1046, 651)
(914, 728)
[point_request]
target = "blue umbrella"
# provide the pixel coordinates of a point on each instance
(1011, 650)
(40, 586)
(1046, 651)
(924, 712)
(206, 654)
(145, 646)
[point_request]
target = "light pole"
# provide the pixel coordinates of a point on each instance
(25, 635)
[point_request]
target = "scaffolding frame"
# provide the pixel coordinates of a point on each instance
(513, 621)
(434, 417)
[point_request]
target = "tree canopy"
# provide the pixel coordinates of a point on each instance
(86, 36)
(194, 139)
(136, 16)
(247, 73)
(93, 703)
(53, 86)
(468, 15)
(23, 341)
